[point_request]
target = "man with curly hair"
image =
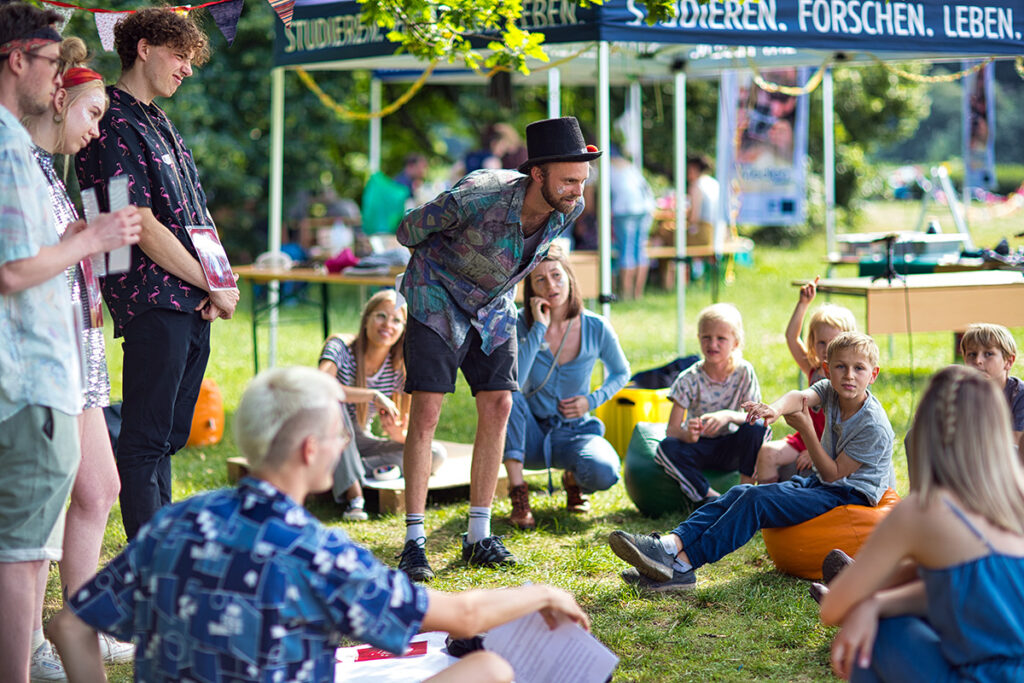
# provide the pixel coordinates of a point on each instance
(163, 304)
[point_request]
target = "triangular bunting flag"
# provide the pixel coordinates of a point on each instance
(225, 15)
(65, 14)
(284, 10)
(105, 23)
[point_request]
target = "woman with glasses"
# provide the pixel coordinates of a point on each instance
(371, 368)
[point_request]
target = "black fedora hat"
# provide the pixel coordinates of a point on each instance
(556, 140)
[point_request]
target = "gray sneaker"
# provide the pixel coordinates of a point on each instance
(681, 582)
(643, 552)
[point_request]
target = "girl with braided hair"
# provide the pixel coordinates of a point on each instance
(937, 592)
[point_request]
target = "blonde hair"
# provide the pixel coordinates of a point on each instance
(961, 441)
(832, 315)
(986, 336)
(279, 409)
(858, 342)
(726, 314)
(74, 54)
(359, 344)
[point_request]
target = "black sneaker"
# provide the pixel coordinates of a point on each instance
(680, 582)
(414, 562)
(489, 552)
(835, 562)
(646, 553)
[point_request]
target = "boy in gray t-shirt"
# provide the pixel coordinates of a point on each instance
(852, 462)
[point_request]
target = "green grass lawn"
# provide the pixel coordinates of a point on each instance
(745, 620)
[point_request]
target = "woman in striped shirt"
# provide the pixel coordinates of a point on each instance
(371, 367)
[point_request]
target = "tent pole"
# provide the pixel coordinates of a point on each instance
(554, 93)
(828, 125)
(276, 195)
(679, 95)
(375, 97)
(604, 202)
(636, 127)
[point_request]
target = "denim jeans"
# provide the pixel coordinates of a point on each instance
(717, 528)
(906, 649)
(575, 445)
(165, 354)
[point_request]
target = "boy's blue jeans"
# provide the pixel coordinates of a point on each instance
(717, 528)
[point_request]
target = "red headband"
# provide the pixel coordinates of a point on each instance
(23, 44)
(79, 75)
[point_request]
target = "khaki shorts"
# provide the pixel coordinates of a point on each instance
(39, 456)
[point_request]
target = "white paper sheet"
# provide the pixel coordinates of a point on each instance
(539, 655)
(120, 259)
(91, 207)
(394, 669)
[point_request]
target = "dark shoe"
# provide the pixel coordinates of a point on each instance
(643, 552)
(414, 562)
(521, 517)
(489, 552)
(835, 562)
(680, 582)
(460, 647)
(817, 591)
(708, 499)
(575, 501)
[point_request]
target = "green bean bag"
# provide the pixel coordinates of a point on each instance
(652, 491)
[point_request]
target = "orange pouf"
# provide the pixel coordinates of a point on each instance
(799, 549)
(208, 418)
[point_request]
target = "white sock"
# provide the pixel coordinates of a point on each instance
(680, 566)
(479, 524)
(356, 503)
(37, 639)
(668, 542)
(414, 530)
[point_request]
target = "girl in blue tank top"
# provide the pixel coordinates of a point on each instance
(937, 592)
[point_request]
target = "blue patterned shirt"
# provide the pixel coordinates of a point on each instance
(467, 251)
(39, 351)
(244, 584)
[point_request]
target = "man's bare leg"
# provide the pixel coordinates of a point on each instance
(493, 409)
(20, 609)
(424, 412)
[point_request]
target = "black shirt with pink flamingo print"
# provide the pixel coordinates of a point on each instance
(139, 140)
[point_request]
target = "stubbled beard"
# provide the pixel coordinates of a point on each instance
(558, 204)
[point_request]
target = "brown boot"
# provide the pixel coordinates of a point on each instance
(521, 516)
(575, 501)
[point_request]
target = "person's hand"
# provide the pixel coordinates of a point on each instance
(391, 425)
(225, 300)
(562, 607)
(573, 407)
(801, 420)
(856, 638)
(109, 231)
(208, 310)
(712, 424)
(694, 426)
(541, 310)
(803, 461)
(758, 411)
(385, 406)
(808, 291)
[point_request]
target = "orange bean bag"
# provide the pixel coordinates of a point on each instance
(208, 418)
(799, 549)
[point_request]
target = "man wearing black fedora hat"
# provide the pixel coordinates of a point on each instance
(470, 246)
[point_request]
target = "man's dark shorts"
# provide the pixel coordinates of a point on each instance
(431, 365)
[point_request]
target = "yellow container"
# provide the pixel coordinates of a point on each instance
(625, 409)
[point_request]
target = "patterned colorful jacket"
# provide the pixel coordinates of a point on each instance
(467, 255)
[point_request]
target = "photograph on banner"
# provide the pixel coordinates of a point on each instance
(212, 257)
(763, 147)
(979, 126)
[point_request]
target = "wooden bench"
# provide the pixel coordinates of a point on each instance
(453, 474)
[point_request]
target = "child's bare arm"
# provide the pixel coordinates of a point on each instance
(791, 402)
(688, 431)
(796, 345)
